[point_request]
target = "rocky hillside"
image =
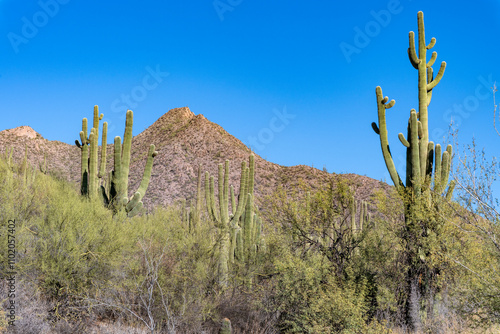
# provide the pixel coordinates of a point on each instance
(185, 142)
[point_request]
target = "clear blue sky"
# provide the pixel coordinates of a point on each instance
(240, 62)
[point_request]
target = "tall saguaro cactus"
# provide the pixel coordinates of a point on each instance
(421, 153)
(116, 194)
(427, 169)
(234, 238)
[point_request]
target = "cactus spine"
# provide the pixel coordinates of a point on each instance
(115, 195)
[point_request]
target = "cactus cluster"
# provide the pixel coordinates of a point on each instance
(364, 215)
(89, 152)
(240, 232)
(424, 162)
(115, 192)
(28, 171)
(25, 171)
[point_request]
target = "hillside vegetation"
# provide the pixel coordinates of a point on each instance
(81, 269)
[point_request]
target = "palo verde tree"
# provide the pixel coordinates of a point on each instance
(427, 172)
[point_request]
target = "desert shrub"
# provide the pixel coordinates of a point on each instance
(320, 285)
(311, 299)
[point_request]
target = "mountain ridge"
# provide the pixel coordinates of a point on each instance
(185, 142)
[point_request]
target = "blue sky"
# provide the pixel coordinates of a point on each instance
(242, 63)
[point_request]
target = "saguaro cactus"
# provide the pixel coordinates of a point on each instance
(420, 154)
(427, 170)
(229, 224)
(115, 195)
(118, 192)
(89, 182)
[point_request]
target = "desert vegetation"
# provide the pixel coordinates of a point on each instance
(323, 262)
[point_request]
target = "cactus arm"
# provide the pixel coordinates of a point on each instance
(437, 168)
(233, 200)
(412, 54)
(446, 166)
(225, 194)
(247, 227)
(445, 170)
(208, 197)
(212, 200)
(126, 152)
(438, 77)
(243, 191)
(430, 77)
(431, 44)
(84, 129)
(375, 128)
(433, 59)
(403, 140)
(384, 142)
(420, 130)
(251, 174)
(117, 175)
(220, 185)
(83, 138)
(96, 119)
(147, 171)
(415, 152)
(102, 169)
(92, 178)
(430, 165)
